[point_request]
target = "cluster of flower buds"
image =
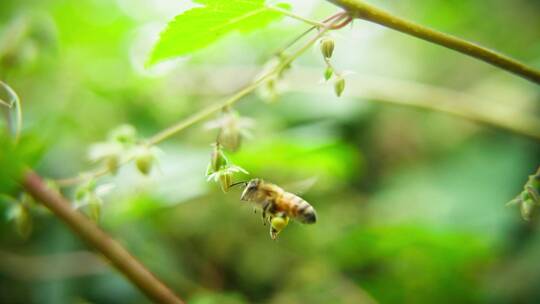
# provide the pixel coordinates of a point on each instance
(529, 198)
(327, 50)
(88, 197)
(123, 144)
(220, 170)
(145, 158)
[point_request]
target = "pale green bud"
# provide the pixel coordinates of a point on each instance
(144, 160)
(218, 159)
(225, 181)
(328, 73)
(94, 207)
(327, 47)
(526, 209)
(22, 220)
(534, 181)
(339, 86)
(113, 163)
(124, 134)
(81, 193)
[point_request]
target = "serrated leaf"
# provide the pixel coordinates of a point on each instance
(201, 26)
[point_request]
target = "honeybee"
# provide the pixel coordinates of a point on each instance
(279, 204)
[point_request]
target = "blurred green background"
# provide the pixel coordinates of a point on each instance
(410, 202)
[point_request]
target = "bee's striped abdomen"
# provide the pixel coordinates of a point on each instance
(298, 208)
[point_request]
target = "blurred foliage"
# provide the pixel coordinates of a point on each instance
(410, 203)
(15, 157)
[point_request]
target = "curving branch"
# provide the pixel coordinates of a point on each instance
(362, 10)
(90, 232)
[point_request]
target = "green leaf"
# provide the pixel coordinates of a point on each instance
(15, 157)
(201, 26)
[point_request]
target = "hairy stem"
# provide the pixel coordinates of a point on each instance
(362, 10)
(121, 259)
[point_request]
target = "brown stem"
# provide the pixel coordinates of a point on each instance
(362, 10)
(91, 233)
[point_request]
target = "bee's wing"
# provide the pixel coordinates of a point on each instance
(302, 186)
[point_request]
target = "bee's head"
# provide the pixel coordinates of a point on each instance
(251, 189)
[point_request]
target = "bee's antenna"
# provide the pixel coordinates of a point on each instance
(238, 183)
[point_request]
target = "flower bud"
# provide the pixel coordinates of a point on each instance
(534, 181)
(328, 73)
(124, 134)
(526, 209)
(84, 190)
(271, 91)
(339, 86)
(225, 181)
(218, 159)
(327, 47)
(22, 219)
(283, 60)
(229, 136)
(113, 163)
(81, 193)
(144, 160)
(94, 207)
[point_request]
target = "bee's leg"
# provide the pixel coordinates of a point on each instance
(265, 208)
(273, 233)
